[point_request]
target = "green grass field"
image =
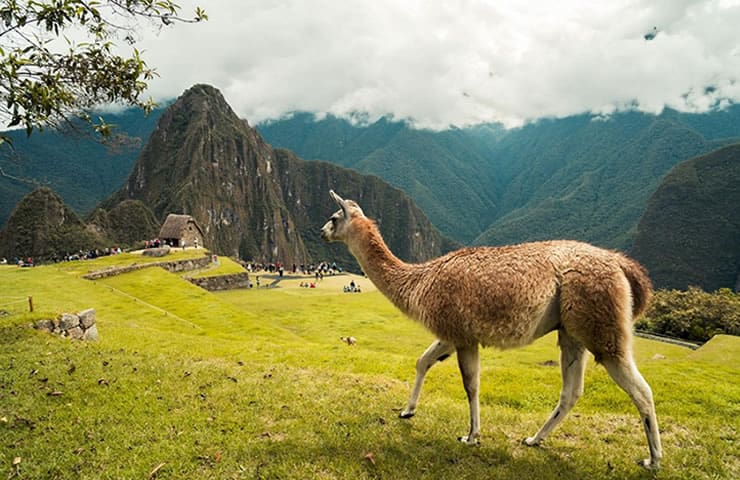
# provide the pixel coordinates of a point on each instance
(256, 384)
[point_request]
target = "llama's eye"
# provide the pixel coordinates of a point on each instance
(333, 220)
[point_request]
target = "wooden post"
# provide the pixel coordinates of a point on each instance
(30, 303)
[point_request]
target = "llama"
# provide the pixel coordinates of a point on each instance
(507, 297)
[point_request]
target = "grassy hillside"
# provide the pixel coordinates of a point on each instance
(256, 384)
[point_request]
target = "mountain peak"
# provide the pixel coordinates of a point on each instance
(43, 226)
(203, 96)
(251, 200)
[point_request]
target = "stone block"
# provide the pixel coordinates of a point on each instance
(68, 320)
(87, 317)
(91, 333)
(47, 325)
(156, 252)
(75, 332)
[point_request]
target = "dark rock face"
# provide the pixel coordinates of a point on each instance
(253, 201)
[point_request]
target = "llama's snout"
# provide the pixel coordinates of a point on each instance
(325, 234)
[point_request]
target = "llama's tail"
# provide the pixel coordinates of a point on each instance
(642, 287)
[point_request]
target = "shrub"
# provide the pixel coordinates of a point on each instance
(693, 315)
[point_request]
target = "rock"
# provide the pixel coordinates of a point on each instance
(91, 333)
(68, 320)
(156, 252)
(658, 356)
(87, 317)
(75, 332)
(47, 325)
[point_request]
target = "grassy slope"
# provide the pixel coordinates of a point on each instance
(225, 266)
(257, 384)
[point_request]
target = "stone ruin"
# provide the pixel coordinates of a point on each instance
(157, 252)
(80, 326)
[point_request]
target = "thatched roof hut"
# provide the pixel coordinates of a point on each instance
(181, 230)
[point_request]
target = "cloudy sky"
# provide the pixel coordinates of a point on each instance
(442, 63)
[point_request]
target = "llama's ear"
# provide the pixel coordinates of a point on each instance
(337, 198)
(340, 201)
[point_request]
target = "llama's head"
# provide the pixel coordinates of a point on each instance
(335, 230)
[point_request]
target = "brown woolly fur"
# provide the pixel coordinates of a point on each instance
(521, 291)
(509, 296)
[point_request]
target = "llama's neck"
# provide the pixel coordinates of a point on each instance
(393, 277)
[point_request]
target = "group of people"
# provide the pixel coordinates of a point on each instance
(318, 270)
(155, 243)
(352, 287)
(67, 257)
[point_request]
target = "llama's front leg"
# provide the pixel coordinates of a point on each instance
(436, 352)
(469, 363)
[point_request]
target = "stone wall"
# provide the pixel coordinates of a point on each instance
(186, 265)
(222, 282)
(172, 266)
(80, 325)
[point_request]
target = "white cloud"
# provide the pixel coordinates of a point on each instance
(453, 62)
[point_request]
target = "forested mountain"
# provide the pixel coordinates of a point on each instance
(580, 177)
(256, 202)
(690, 232)
(79, 169)
(439, 170)
(587, 179)
(42, 226)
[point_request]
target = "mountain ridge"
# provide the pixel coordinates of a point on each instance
(580, 177)
(530, 183)
(202, 160)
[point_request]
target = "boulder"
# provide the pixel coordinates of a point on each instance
(91, 333)
(68, 320)
(47, 325)
(75, 332)
(156, 252)
(87, 317)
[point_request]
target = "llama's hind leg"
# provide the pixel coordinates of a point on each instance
(625, 373)
(436, 352)
(572, 366)
(469, 363)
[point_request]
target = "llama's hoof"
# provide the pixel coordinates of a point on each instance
(649, 464)
(531, 441)
(406, 414)
(467, 440)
